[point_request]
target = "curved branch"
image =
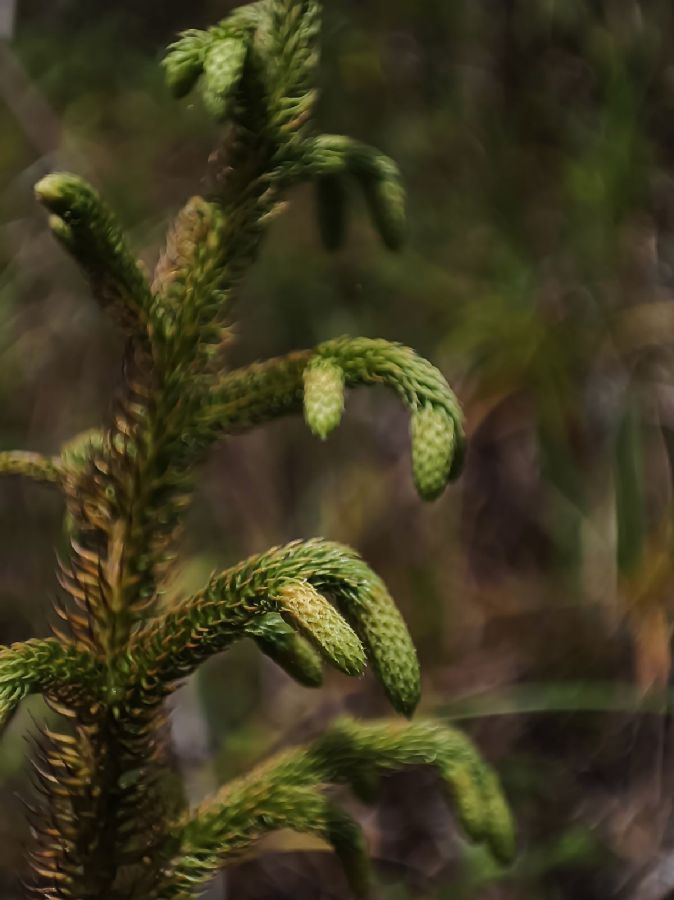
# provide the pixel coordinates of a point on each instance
(292, 581)
(352, 751)
(265, 391)
(63, 673)
(35, 466)
(223, 830)
(278, 793)
(89, 231)
(329, 159)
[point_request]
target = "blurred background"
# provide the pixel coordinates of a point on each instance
(537, 142)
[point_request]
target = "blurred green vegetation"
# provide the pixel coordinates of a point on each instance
(537, 143)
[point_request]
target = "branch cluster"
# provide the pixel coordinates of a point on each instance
(111, 827)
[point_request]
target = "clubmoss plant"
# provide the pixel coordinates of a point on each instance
(112, 824)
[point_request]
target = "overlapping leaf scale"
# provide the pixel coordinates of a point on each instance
(323, 395)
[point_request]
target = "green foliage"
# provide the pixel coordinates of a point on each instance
(113, 826)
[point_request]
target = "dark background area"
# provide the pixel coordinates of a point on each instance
(536, 142)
